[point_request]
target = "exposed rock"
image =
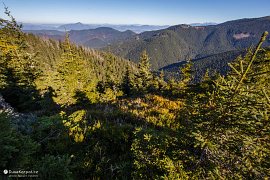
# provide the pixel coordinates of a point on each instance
(241, 36)
(6, 108)
(20, 121)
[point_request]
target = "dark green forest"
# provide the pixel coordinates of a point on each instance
(70, 112)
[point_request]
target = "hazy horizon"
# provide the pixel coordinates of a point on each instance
(58, 24)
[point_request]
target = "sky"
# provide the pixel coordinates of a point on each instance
(152, 12)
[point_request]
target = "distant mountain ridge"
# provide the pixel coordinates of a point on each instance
(80, 26)
(99, 37)
(93, 38)
(74, 26)
(181, 42)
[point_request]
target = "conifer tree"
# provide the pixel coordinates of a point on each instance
(127, 82)
(72, 75)
(144, 74)
(186, 73)
(161, 81)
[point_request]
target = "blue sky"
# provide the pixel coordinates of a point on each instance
(158, 12)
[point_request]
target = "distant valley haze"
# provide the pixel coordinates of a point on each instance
(138, 28)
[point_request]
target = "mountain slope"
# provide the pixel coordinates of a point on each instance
(180, 42)
(99, 37)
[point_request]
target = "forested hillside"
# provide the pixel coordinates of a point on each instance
(70, 112)
(182, 42)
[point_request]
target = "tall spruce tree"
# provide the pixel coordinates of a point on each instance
(144, 75)
(127, 82)
(73, 75)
